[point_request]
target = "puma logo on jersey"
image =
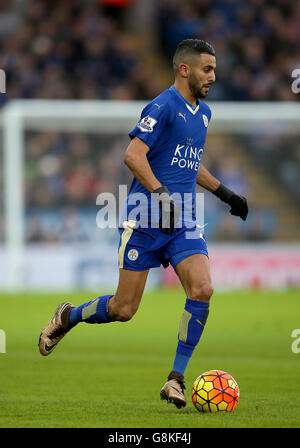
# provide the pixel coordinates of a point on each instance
(182, 116)
(158, 105)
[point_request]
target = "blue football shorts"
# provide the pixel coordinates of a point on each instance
(141, 249)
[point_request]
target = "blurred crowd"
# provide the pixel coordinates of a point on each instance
(257, 43)
(75, 49)
(73, 168)
(69, 50)
(279, 153)
(64, 174)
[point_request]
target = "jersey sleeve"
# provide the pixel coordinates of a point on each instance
(153, 121)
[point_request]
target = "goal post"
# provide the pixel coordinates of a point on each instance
(13, 148)
(67, 116)
(103, 117)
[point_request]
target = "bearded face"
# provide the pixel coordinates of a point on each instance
(202, 75)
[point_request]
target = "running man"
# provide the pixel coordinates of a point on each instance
(164, 156)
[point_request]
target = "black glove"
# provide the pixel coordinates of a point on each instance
(169, 213)
(238, 203)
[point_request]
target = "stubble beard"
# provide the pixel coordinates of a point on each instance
(195, 89)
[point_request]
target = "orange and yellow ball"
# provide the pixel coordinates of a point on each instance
(215, 391)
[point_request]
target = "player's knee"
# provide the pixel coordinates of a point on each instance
(202, 292)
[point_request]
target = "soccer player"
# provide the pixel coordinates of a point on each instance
(164, 156)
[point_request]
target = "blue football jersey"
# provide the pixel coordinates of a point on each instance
(175, 132)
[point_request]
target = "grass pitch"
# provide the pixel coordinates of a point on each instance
(110, 376)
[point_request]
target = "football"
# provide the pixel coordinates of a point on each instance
(215, 391)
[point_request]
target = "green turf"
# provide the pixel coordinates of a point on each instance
(111, 375)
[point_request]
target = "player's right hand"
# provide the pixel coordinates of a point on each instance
(169, 213)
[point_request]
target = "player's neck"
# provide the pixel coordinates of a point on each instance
(185, 92)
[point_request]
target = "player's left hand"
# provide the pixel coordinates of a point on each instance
(239, 206)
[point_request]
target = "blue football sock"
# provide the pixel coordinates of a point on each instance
(191, 327)
(93, 312)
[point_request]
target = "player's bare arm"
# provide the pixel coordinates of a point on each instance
(136, 160)
(206, 180)
(239, 206)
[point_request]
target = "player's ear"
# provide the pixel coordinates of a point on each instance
(184, 70)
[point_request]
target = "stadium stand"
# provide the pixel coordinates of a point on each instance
(84, 50)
